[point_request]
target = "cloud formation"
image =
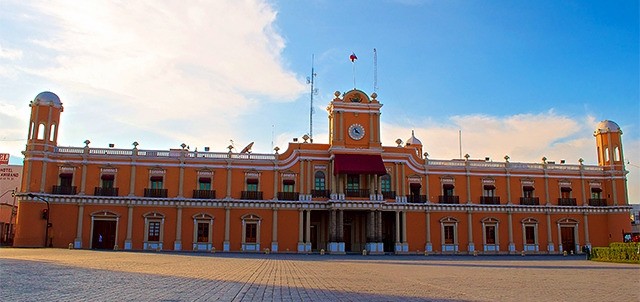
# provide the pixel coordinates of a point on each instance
(170, 68)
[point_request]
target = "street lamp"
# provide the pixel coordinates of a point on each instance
(46, 230)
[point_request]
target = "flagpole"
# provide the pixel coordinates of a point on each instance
(354, 74)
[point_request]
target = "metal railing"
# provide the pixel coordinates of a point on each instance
(321, 193)
(490, 200)
(253, 195)
(288, 196)
(597, 202)
(356, 192)
(204, 194)
(567, 202)
(162, 193)
(64, 190)
(449, 199)
(417, 198)
(100, 191)
(530, 201)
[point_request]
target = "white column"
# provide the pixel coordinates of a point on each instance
(132, 179)
(127, 242)
(429, 246)
(550, 247)
(512, 246)
(181, 180)
(227, 225)
(228, 183)
(308, 232)
(470, 231)
(274, 231)
(77, 243)
(177, 245)
(587, 242)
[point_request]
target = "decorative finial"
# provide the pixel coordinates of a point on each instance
(426, 155)
(581, 160)
(183, 145)
(276, 149)
(86, 143)
(135, 145)
(399, 142)
(466, 156)
(374, 96)
(544, 159)
(506, 158)
(305, 138)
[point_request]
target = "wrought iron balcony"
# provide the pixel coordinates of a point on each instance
(288, 196)
(451, 199)
(597, 202)
(417, 198)
(530, 201)
(100, 191)
(64, 190)
(161, 193)
(389, 194)
(253, 195)
(490, 200)
(356, 192)
(321, 193)
(567, 202)
(204, 194)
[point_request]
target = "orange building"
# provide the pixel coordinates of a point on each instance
(349, 195)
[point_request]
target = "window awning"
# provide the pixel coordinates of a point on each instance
(288, 182)
(108, 177)
(66, 175)
(565, 189)
(415, 185)
(489, 187)
(598, 190)
(358, 164)
(156, 178)
(528, 188)
(252, 181)
(447, 186)
(204, 179)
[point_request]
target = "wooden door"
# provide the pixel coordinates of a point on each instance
(568, 241)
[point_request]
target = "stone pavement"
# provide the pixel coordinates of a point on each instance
(80, 275)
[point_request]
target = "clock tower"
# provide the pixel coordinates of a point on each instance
(354, 121)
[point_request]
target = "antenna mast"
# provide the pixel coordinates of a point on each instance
(375, 70)
(310, 80)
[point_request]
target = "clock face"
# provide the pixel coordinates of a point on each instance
(356, 131)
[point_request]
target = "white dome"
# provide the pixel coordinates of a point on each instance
(413, 140)
(607, 126)
(47, 98)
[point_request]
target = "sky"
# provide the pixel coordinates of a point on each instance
(528, 79)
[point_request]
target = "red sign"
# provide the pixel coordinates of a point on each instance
(4, 158)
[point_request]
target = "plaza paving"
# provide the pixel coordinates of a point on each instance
(76, 275)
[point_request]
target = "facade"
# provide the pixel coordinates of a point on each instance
(10, 178)
(349, 195)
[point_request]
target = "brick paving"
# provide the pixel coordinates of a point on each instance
(74, 275)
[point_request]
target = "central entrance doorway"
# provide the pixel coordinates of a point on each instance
(104, 234)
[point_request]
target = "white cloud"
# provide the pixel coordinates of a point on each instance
(10, 54)
(165, 66)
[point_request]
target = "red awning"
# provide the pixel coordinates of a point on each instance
(358, 164)
(528, 188)
(415, 185)
(489, 187)
(565, 189)
(288, 182)
(447, 186)
(66, 175)
(204, 180)
(252, 181)
(156, 178)
(597, 190)
(108, 177)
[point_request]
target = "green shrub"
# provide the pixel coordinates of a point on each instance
(617, 252)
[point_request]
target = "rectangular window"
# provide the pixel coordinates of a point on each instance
(448, 234)
(385, 184)
(252, 187)
(530, 235)
(203, 232)
(353, 182)
(490, 233)
(156, 182)
(527, 192)
(204, 186)
(447, 190)
(287, 188)
(66, 180)
(251, 233)
(154, 231)
(107, 184)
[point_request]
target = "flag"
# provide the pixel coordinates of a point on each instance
(353, 57)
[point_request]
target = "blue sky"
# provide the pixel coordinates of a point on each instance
(523, 78)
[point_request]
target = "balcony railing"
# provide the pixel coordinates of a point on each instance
(567, 202)
(204, 194)
(449, 199)
(162, 193)
(490, 200)
(417, 198)
(530, 201)
(321, 193)
(357, 193)
(253, 195)
(64, 190)
(389, 194)
(597, 202)
(288, 196)
(100, 191)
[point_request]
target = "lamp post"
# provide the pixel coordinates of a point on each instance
(46, 230)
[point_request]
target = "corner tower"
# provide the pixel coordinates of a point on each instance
(609, 143)
(44, 121)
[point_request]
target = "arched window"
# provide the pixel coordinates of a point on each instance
(41, 131)
(616, 154)
(52, 133)
(385, 183)
(31, 130)
(320, 181)
(606, 154)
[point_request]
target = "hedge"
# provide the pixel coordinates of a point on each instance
(617, 252)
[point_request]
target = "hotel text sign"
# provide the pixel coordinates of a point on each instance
(9, 173)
